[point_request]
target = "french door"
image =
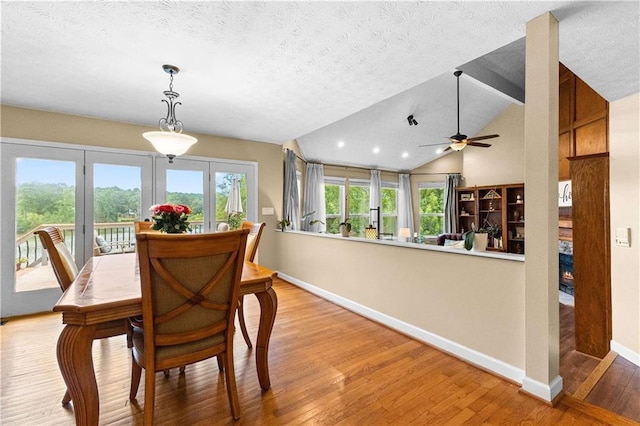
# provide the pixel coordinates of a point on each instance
(205, 186)
(40, 186)
(95, 196)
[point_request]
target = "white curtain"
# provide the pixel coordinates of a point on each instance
(291, 205)
(375, 189)
(450, 184)
(405, 206)
(314, 199)
(375, 186)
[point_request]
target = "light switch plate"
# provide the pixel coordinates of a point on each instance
(622, 237)
(268, 211)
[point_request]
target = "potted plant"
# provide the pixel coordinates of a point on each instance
(19, 262)
(312, 221)
(475, 239)
(345, 227)
(284, 224)
(494, 230)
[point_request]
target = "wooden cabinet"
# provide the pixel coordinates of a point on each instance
(498, 208)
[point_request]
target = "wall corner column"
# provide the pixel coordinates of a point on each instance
(542, 332)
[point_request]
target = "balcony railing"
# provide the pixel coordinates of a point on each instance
(120, 234)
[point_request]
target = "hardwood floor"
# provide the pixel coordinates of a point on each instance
(616, 388)
(327, 365)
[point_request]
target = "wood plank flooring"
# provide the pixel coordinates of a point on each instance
(327, 365)
(616, 388)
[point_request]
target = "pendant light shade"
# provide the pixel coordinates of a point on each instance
(169, 140)
(170, 144)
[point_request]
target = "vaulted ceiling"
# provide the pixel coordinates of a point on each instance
(317, 72)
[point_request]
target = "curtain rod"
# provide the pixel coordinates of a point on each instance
(297, 156)
(435, 173)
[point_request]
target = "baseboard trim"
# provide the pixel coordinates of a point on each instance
(625, 353)
(472, 356)
(546, 392)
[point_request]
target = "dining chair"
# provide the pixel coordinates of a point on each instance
(190, 285)
(65, 269)
(143, 227)
(253, 239)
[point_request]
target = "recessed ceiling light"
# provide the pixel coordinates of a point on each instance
(376, 150)
(340, 144)
(405, 155)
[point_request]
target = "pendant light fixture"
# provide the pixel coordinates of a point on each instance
(169, 140)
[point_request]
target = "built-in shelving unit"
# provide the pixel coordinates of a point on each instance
(497, 208)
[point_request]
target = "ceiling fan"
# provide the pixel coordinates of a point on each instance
(459, 141)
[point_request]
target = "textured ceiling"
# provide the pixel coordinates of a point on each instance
(313, 71)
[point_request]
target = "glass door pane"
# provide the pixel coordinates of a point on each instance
(185, 182)
(186, 187)
(39, 189)
(119, 193)
(45, 196)
(231, 199)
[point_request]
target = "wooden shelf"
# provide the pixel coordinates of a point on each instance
(505, 201)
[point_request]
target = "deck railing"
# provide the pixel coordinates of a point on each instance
(118, 234)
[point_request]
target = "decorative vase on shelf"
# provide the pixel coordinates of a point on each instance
(516, 215)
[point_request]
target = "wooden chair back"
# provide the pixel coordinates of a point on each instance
(143, 227)
(253, 239)
(62, 261)
(190, 287)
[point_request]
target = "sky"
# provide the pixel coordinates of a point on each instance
(105, 175)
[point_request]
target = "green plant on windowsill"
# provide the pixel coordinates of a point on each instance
(345, 227)
(311, 222)
(283, 224)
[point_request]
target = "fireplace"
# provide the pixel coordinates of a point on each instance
(566, 273)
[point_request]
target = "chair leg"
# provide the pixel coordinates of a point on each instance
(220, 363)
(136, 372)
(66, 398)
(149, 396)
(243, 325)
(230, 379)
(129, 334)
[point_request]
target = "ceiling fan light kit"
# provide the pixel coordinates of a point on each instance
(169, 140)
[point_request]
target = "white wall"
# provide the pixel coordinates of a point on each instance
(624, 148)
(468, 305)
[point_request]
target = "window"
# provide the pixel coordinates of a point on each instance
(358, 201)
(334, 204)
(431, 209)
(389, 201)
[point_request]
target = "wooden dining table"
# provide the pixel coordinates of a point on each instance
(107, 289)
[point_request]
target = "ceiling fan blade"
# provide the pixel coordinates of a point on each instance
(480, 144)
(480, 138)
(434, 144)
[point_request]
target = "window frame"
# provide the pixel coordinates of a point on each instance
(429, 185)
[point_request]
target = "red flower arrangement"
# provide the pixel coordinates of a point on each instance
(171, 218)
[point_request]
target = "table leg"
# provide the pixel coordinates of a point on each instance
(268, 307)
(76, 365)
